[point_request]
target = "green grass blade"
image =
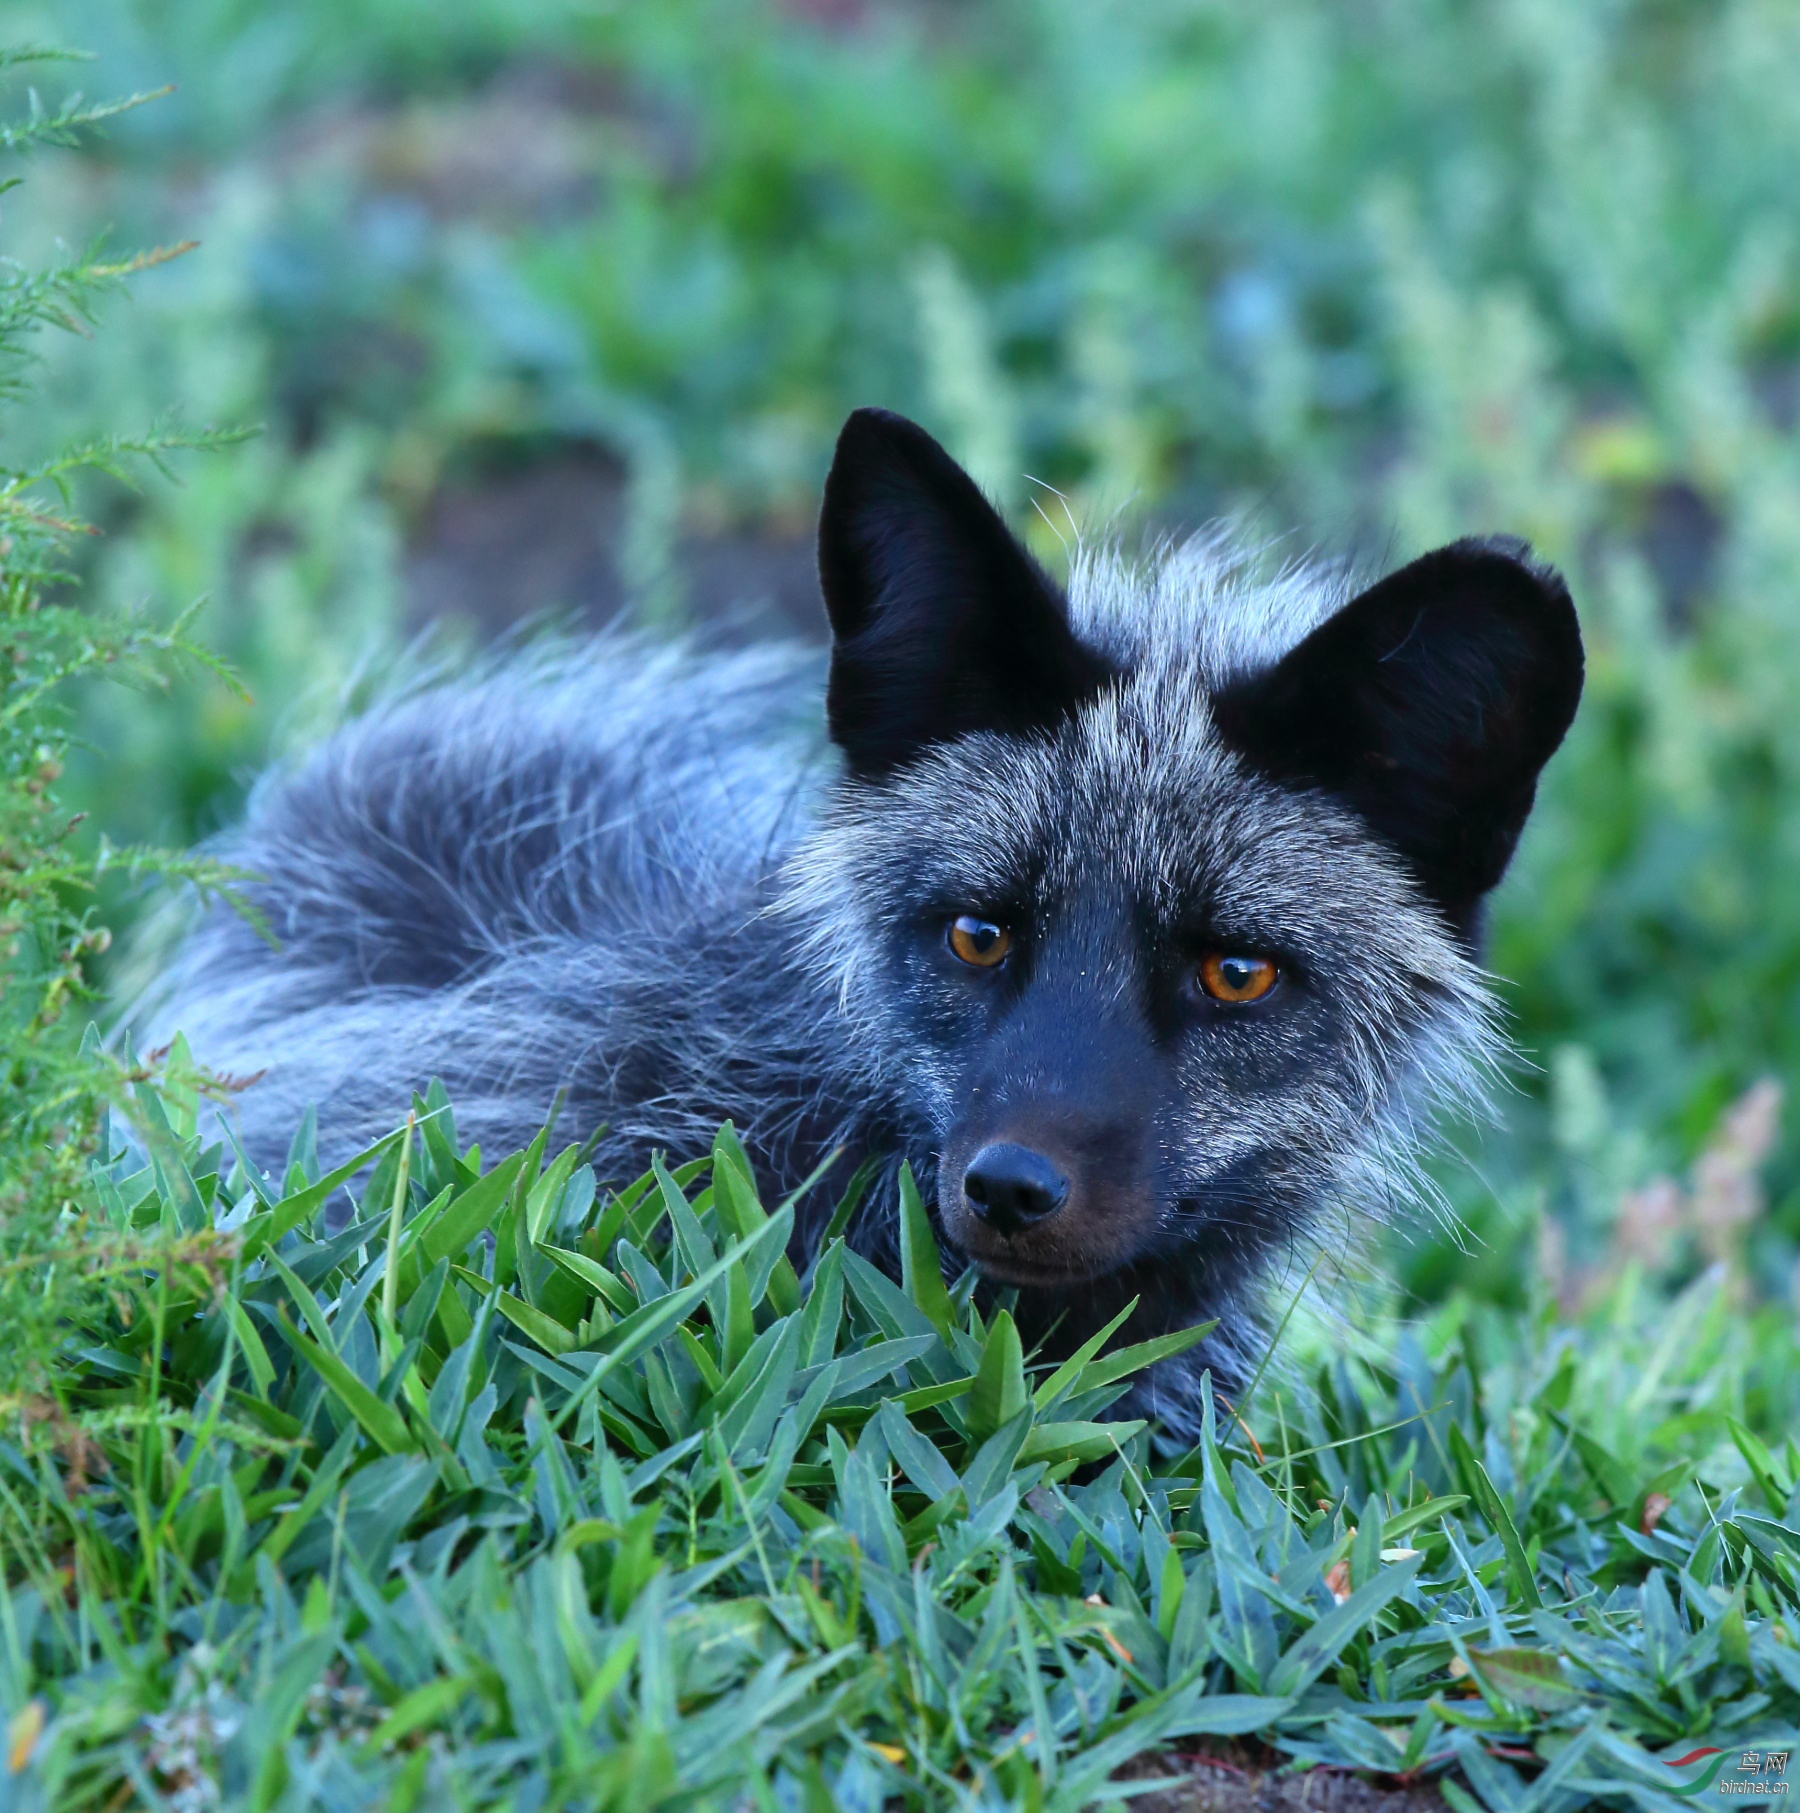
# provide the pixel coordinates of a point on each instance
(383, 1423)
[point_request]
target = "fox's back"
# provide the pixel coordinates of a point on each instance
(457, 882)
(579, 793)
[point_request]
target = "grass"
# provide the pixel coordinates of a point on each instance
(53, 1081)
(438, 1481)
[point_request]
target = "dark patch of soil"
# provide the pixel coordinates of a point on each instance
(1236, 1782)
(521, 149)
(1680, 541)
(503, 543)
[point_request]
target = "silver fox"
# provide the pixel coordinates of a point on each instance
(1141, 919)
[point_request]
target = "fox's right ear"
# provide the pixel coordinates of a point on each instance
(941, 623)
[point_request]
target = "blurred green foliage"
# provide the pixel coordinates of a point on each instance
(1366, 278)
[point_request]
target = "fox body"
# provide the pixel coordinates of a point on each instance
(1140, 918)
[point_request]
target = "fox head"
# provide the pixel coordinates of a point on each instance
(1157, 901)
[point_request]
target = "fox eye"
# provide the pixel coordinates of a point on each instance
(979, 941)
(1229, 976)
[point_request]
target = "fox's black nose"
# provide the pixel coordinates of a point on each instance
(1010, 1187)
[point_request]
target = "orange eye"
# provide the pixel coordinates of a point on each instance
(979, 941)
(1227, 976)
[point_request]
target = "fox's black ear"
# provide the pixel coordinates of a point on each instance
(941, 622)
(1429, 704)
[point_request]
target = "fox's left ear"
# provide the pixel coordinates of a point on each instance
(941, 622)
(1428, 704)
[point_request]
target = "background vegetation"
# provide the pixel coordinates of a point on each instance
(558, 308)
